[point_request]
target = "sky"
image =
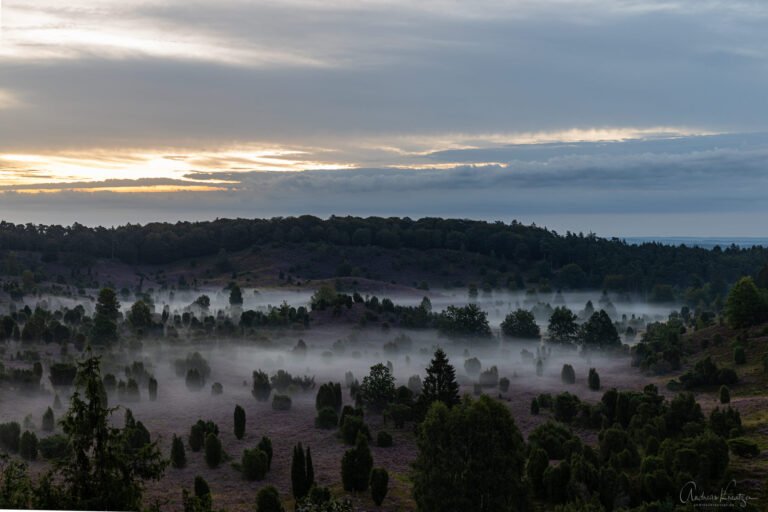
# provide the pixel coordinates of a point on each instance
(619, 117)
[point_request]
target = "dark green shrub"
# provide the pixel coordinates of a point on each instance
(261, 386)
(319, 495)
(356, 466)
(193, 361)
(551, 437)
(239, 422)
(743, 447)
(63, 374)
(194, 380)
(28, 446)
(268, 500)
(727, 376)
(682, 409)
(352, 426)
(348, 409)
(538, 462)
(615, 441)
(725, 395)
(327, 418)
(739, 356)
(329, 395)
(132, 393)
(110, 382)
(652, 446)
(10, 434)
(545, 400)
(152, 385)
(300, 484)
(725, 422)
(594, 380)
(555, 481)
(213, 451)
(503, 384)
(198, 433)
(472, 366)
(383, 439)
(178, 453)
(489, 378)
(49, 423)
(566, 406)
(534, 406)
(568, 375)
(379, 485)
(54, 447)
(254, 464)
(201, 487)
(281, 403)
(265, 445)
(217, 388)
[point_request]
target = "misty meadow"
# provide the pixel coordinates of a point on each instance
(308, 364)
(384, 255)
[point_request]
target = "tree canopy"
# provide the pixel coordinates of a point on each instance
(471, 457)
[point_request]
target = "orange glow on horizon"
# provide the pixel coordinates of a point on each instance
(140, 189)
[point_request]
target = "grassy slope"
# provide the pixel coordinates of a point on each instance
(749, 395)
(366, 268)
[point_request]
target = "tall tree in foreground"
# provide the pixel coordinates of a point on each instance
(108, 469)
(440, 383)
(471, 457)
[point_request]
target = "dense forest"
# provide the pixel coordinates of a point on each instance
(514, 253)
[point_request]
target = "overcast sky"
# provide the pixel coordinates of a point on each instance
(621, 117)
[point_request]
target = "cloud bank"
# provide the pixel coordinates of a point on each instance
(621, 116)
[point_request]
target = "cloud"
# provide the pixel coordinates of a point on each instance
(559, 109)
(605, 187)
(175, 73)
(8, 100)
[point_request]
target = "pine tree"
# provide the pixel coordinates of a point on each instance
(49, 422)
(310, 472)
(356, 466)
(440, 383)
(239, 422)
(152, 385)
(236, 296)
(265, 445)
(298, 473)
(178, 453)
(379, 485)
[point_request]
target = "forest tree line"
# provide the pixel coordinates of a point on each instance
(572, 261)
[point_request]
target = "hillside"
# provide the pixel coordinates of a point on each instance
(375, 251)
(749, 395)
